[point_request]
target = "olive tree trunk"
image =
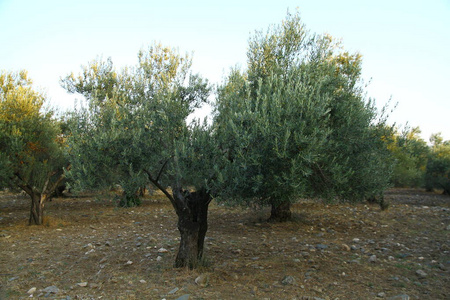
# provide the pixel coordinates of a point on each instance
(192, 211)
(281, 212)
(37, 209)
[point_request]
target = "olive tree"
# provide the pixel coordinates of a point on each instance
(437, 174)
(32, 147)
(296, 123)
(134, 130)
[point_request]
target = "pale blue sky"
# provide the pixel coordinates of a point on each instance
(405, 44)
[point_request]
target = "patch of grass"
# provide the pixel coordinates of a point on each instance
(399, 284)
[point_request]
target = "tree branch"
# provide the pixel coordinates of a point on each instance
(57, 182)
(161, 188)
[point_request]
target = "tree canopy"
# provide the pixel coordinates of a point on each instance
(31, 142)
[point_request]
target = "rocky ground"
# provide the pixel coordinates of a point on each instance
(89, 249)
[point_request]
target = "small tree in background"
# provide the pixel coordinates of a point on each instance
(437, 174)
(32, 146)
(410, 153)
(296, 124)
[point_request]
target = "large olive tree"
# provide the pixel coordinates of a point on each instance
(296, 123)
(133, 130)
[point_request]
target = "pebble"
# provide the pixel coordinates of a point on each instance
(288, 280)
(51, 290)
(202, 280)
(159, 258)
(162, 250)
(184, 297)
(381, 295)
(82, 284)
(31, 291)
(305, 254)
(173, 291)
(373, 258)
(321, 246)
(421, 274)
(345, 247)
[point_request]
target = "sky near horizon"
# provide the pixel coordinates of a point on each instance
(405, 44)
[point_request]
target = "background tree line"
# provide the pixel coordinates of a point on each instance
(295, 123)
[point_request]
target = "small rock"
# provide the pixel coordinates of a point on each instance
(356, 240)
(236, 251)
(89, 252)
(381, 295)
(202, 280)
(321, 246)
(184, 297)
(31, 291)
(421, 274)
(373, 258)
(51, 290)
(305, 254)
(129, 263)
(345, 247)
(82, 284)
(162, 250)
(142, 281)
(159, 258)
(173, 291)
(288, 280)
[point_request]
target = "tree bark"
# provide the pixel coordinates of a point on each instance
(281, 212)
(37, 209)
(193, 225)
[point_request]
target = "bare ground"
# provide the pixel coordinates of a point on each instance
(89, 249)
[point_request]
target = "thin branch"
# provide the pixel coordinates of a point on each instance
(161, 188)
(24, 186)
(162, 168)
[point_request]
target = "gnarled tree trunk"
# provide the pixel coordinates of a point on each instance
(192, 211)
(281, 212)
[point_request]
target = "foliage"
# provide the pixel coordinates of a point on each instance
(133, 118)
(410, 152)
(134, 131)
(437, 174)
(296, 123)
(32, 146)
